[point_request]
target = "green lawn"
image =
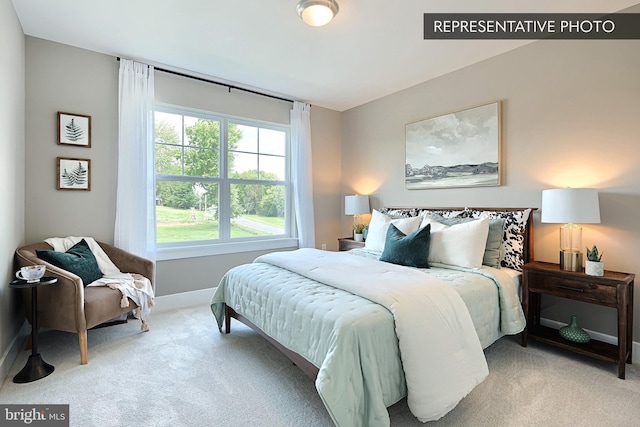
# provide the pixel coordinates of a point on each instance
(180, 225)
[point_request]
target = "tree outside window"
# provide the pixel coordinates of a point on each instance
(200, 198)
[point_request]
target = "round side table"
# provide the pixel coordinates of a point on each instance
(35, 368)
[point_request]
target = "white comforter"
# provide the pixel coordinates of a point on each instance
(441, 354)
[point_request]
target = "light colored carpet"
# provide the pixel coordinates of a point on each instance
(185, 373)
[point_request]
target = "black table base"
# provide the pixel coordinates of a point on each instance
(34, 369)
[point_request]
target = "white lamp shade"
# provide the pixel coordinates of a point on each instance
(570, 205)
(356, 205)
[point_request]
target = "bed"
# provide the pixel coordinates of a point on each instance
(371, 332)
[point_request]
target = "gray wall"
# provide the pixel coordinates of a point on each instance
(60, 78)
(571, 117)
(326, 129)
(64, 78)
(12, 170)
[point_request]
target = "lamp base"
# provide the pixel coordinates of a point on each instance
(570, 261)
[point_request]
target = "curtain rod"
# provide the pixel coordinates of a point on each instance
(229, 86)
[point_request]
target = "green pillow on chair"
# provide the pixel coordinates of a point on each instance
(411, 250)
(78, 260)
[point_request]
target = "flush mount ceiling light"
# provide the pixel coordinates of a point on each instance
(317, 12)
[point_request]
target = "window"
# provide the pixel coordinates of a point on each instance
(220, 181)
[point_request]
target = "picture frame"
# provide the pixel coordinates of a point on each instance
(74, 129)
(73, 174)
(459, 149)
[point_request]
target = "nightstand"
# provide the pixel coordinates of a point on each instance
(614, 290)
(347, 243)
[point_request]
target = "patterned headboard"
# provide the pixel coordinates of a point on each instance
(518, 229)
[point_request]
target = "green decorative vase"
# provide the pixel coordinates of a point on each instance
(574, 333)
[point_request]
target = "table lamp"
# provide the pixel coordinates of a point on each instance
(571, 206)
(356, 206)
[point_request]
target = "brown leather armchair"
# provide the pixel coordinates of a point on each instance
(67, 305)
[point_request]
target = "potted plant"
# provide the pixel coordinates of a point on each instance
(594, 267)
(358, 230)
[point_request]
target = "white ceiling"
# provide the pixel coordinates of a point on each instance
(371, 49)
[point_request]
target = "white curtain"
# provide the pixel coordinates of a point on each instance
(302, 176)
(135, 199)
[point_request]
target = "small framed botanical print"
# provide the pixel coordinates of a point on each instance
(74, 129)
(74, 174)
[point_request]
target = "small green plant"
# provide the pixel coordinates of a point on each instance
(358, 228)
(592, 254)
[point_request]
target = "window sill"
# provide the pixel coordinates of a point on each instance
(194, 251)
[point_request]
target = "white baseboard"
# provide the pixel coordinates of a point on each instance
(183, 299)
(11, 353)
(635, 358)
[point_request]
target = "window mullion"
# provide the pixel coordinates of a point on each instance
(291, 226)
(224, 212)
(182, 145)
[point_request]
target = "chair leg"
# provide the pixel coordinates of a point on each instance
(82, 336)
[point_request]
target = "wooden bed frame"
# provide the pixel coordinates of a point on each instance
(307, 367)
(312, 370)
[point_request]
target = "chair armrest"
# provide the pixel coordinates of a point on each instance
(130, 263)
(66, 297)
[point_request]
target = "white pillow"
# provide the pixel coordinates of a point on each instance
(435, 225)
(460, 244)
(377, 234)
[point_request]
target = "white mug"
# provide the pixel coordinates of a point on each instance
(31, 273)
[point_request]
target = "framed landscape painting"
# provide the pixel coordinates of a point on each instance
(74, 129)
(74, 174)
(460, 149)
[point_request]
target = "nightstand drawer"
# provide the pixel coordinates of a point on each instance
(581, 290)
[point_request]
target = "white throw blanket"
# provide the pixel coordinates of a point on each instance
(441, 353)
(131, 285)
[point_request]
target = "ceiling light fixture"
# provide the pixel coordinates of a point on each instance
(317, 12)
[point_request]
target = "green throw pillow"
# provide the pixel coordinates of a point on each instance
(78, 260)
(492, 252)
(411, 250)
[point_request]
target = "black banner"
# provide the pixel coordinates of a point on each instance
(531, 26)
